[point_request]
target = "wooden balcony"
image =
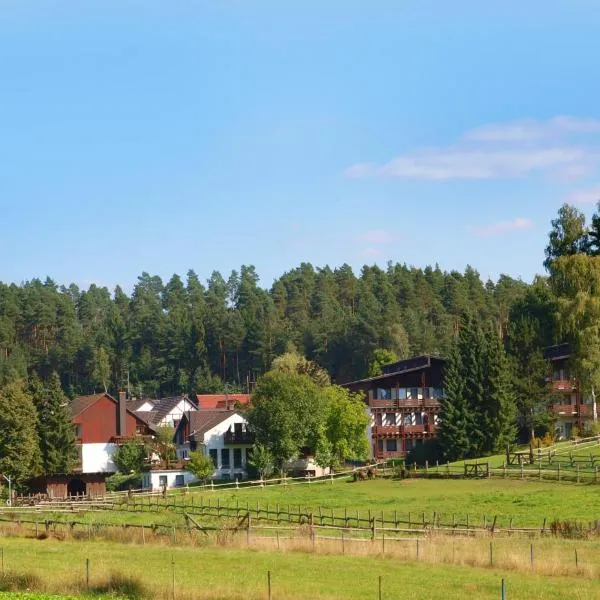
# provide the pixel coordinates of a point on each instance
(402, 430)
(563, 385)
(399, 404)
(566, 410)
(383, 454)
(246, 438)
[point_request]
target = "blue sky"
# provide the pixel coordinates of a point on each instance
(163, 136)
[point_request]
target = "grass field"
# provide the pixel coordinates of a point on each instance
(527, 503)
(211, 573)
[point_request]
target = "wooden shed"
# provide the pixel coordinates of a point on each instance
(69, 484)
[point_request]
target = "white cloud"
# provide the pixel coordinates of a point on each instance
(500, 227)
(497, 151)
(530, 129)
(587, 196)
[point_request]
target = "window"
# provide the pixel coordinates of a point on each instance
(402, 394)
(179, 481)
(418, 419)
(380, 445)
(384, 394)
(77, 431)
(225, 458)
(162, 481)
(378, 419)
(183, 454)
(392, 445)
(408, 419)
(390, 418)
(237, 428)
(214, 456)
(237, 458)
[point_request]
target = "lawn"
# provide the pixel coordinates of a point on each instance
(527, 502)
(211, 573)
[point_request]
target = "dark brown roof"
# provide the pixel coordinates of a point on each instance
(162, 407)
(202, 421)
(135, 405)
(81, 403)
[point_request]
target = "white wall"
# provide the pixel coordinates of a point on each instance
(214, 440)
(97, 458)
(152, 479)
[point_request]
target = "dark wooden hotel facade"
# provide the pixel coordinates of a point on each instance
(404, 404)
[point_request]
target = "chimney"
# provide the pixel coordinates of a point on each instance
(122, 415)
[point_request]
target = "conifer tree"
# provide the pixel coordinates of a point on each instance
(500, 406)
(453, 431)
(54, 426)
(19, 448)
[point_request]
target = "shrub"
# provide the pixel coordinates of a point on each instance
(119, 482)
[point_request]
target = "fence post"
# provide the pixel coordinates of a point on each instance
(596, 474)
(269, 583)
(417, 548)
(87, 573)
(558, 470)
(173, 575)
(380, 596)
(577, 473)
(522, 476)
(491, 555)
(2, 560)
(531, 555)
(503, 591)
(576, 559)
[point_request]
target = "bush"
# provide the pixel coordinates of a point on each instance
(120, 483)
(429, 451)
(545, 441)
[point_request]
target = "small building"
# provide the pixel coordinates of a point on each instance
(102, 423)
(403, 404)
(158, 479)
(570, 407)
(65, 485)
(221, 434)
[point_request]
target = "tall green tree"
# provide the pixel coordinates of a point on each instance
(19, 446)
(54, 425)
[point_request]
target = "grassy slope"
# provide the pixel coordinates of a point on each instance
(527, 502)
(215, 573)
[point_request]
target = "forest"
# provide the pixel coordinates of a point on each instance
(189, 336)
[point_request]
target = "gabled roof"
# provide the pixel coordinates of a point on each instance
(410, 365)
(136, 404)
(558, 352)
(162, 407)
(208, 401)
(82, 403)
(202, 421)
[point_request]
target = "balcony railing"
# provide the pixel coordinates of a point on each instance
(396, 404)
(239, 437)
(384, 454)
(571, 409)
(563, 385)
(400, 430)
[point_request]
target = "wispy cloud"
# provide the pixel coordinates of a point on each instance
(530, 129)
(501, 227)
(587, 196)
(509, 150)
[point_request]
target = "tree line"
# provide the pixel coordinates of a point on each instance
(189, 337)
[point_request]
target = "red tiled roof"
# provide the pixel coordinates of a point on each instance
(211, 401)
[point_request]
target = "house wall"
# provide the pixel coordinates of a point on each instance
(98, 423)
(214, 440)
(97, 458)
(151, 480)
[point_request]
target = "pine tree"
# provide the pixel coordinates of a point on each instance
(500, 406)
(472, 351)
(54, 426)
(453, 433)
(19, 448)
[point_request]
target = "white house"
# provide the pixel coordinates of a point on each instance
(221, 434)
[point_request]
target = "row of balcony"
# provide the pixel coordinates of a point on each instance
(585, 410)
